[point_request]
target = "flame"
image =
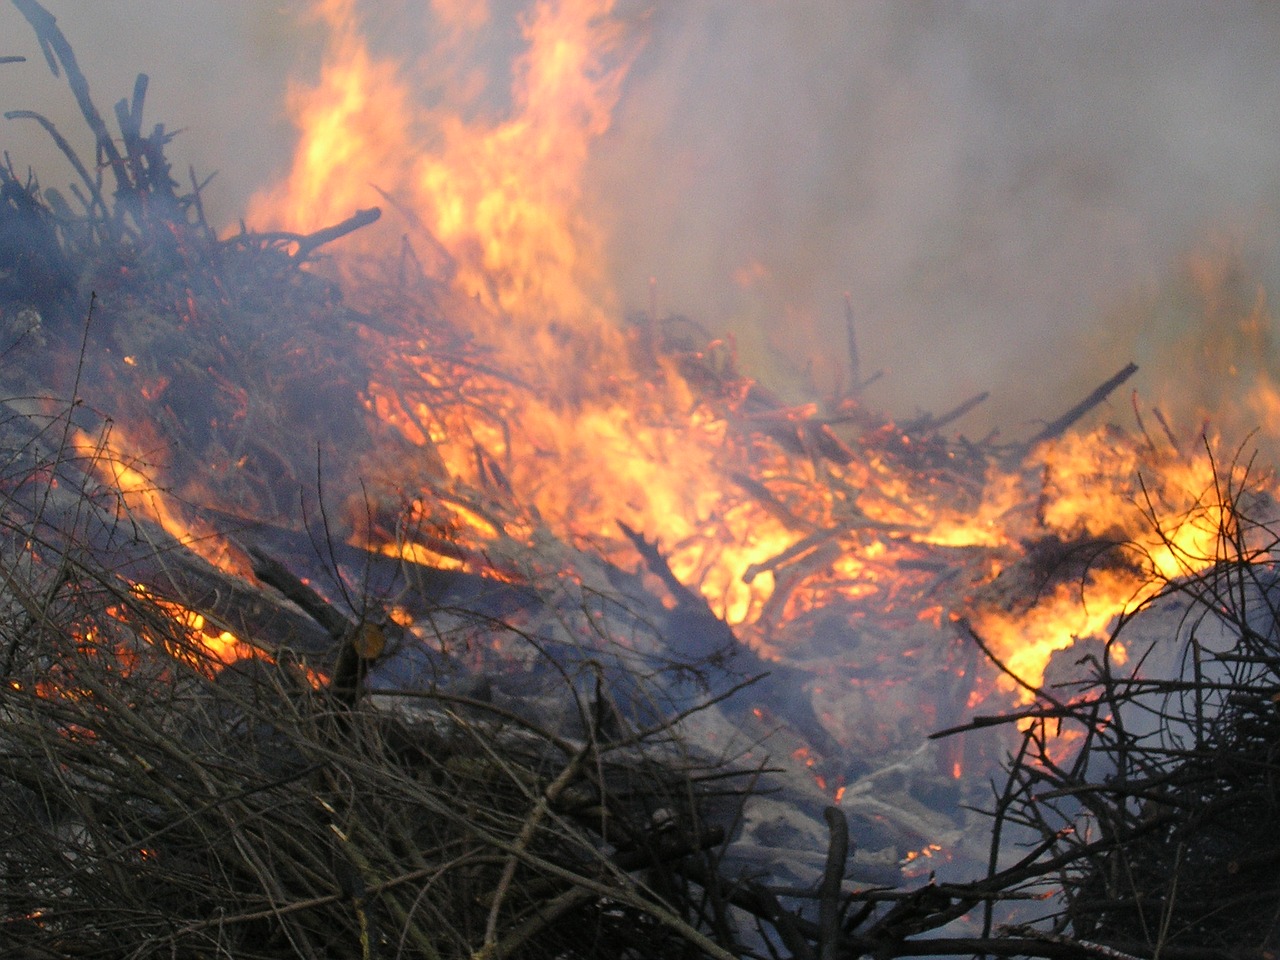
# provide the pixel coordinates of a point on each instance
(358, 105)
(916, 862)
(219, 645)
(130, 478)
(1167, 513)
(586, 425)
(500, 195)
(576, 423)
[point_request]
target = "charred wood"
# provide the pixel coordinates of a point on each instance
(371, 574)
(311, 242)
(928, 424)
(692, 624)
(851, 336)
(796, 552)
(829, 890)
(775, 507)
(69, 514)
(1056, 428)
(57, 51)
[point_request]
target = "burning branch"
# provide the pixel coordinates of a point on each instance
(306, 244)
(202, 788)
(1061, 425)
(487, 752)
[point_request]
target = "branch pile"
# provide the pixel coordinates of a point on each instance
(355, 781)
(1157, 827)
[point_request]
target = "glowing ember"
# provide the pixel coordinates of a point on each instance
(222, 646)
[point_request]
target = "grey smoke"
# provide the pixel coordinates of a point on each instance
(992, 182)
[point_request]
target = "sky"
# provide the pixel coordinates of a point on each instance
(1014, 196)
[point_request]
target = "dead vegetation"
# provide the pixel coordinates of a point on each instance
(159, 803)
(1155, 828)
(162, 801)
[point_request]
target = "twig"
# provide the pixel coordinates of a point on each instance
(797, 550)
(851, 337)
(57, 50)
(522, 841)
(61, 143)
(313, 241)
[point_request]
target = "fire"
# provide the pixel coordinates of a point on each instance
(1167, 513)
(499, 195)
(221, 646)
(586, 425)
(131, 478)
(917, 863)
(799, 525)
(358, 104)
(516, 208)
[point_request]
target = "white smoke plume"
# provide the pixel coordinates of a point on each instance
(1003, 189)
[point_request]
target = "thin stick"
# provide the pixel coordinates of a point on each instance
(57, 50)
(61, 143)
(851, 335)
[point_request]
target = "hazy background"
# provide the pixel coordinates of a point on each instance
(1009, 191)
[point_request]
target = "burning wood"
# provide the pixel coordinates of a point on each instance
(472, 714)
(1060, 425)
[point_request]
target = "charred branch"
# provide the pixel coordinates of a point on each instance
(98, 206)
(274, 573)
(851, 336)
(313, 241)
(57, 51)
(930, 423)
(1056, 428)
(775, 507)
(797, 551)
(306, 244)
(423, 805)
(832, 878)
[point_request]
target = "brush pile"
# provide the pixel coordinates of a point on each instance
(1159, 828)
(162, 801)
(444, 728)
(164, 795)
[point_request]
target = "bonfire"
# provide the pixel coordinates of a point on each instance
(397, 602)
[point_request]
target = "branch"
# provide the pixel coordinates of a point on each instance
(57, 50)
(1060, 426)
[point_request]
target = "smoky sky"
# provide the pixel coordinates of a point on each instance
(994, 184)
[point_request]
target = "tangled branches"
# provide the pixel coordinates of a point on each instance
(162, 798)
(1157, 829)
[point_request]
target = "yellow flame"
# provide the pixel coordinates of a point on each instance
(502, 194)
(222, 646)
(131, 480)
(494, 198)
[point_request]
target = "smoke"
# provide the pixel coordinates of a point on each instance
(995, 185)
(1005, 190)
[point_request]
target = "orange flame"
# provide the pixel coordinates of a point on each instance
(501, 195)
(495, 200)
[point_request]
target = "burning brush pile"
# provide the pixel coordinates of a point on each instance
(357, 607)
